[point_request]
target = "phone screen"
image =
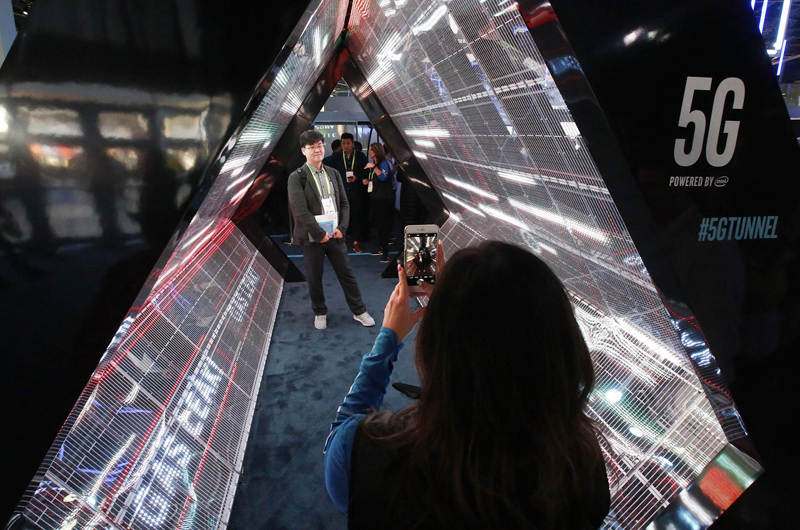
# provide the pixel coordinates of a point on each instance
(421, 257)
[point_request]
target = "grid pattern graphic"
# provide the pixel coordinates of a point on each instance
(157, 439)
(471, 94)
(158, 436)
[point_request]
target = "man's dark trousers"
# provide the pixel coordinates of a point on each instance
(336, 250)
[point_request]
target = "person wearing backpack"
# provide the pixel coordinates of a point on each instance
(321, 213)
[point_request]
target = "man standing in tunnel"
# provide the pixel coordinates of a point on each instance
(350, 164)
(321, 213)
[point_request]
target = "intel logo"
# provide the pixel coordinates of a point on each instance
(720, 181)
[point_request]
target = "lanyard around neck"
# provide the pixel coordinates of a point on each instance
(372, 173)
(352, 163)
(327, 180)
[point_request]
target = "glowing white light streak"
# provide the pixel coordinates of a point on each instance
(780, 61)
(239, 195)
(253, 136)
(429, 133)
(281, 78)
(420, 154)
(388, 52)
(570, 129)
(238, 181)
(291, 104)
(3, 120)
(132, 394)
(101, 477)
(631, 37)
(516, 177)
(636, 432)
(471, 188)
(497, 214)
(613, 395)
(424, 143)
(427, 25)
(463, 204)
(779, 42)
(419, 182)
(317, 46)
(509, 9)
(455, 218)
(648, 341)
(376, 80)
(197, 235)
(453, 25)
(234, 163)
(548, 248)
(763, 16)
(555, 218)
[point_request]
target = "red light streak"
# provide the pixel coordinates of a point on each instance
(231, 282)
(191, 268)
(720, 488)
(210, 440)
(253, 312)
(121, 479)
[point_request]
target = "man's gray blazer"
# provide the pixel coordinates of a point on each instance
(305, 202)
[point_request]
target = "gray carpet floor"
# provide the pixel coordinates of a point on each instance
(307, 374)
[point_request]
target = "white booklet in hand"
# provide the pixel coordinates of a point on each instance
(328, 222)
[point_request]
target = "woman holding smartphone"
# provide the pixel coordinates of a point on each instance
(499, 437)
(381, 197)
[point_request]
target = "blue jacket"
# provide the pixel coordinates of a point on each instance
(365, 396)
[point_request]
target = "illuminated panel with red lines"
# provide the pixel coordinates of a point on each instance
(467, 87)
(157, 439)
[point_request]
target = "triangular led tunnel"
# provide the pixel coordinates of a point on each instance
(483, 103)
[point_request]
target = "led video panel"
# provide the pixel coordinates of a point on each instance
(158, 436)
(157, 439)
(468, 89)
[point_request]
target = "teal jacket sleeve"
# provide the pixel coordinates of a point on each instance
(366, 395)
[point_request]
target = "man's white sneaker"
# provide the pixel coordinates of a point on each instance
(321, 321)
(365, 319)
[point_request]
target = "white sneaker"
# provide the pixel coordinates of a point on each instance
(321, 321)
(365, 319)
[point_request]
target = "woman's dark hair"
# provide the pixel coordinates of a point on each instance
(499, 437)
(380, 155)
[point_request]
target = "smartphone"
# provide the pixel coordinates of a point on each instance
(421, 254)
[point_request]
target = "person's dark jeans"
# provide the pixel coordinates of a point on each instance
(336, 250)
(382, 211)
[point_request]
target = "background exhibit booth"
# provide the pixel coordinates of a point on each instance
(656, 181)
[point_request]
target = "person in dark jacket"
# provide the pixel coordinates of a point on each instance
(381, 197)
(336, 149)
(321, 214)
(500, 437)
(350, 164)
